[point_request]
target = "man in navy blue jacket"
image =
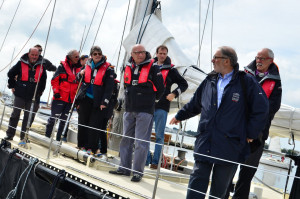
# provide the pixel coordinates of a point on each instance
(224, 128)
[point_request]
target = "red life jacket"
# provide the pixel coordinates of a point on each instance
(143, 75)
(165, 73)
(71, 75)
(268, 86)
(99, 76)
(25, 73)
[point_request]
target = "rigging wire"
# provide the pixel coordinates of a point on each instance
(82, 39)
(212, 28)
(28, 38)
(2, 4)
(137, 39)
(10, 24)
(90, 26)
(100, 22)
(199, 39)
(203, 30)
(123, 35)
(154, 6)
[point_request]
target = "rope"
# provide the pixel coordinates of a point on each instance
(89, 26)
(28, 38)
(10, 24)
(203, 33)
(137, 39)
(13, 192)
(123, 35)
(100, 22)
(59, 177)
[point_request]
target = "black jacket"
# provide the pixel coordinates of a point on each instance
(25, 89)
(102, 94)
(141, 97)
(173, 77)
(275, 97)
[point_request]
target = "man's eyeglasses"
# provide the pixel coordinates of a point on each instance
(95, 54)
(139, 52)
(262, 58)
(219, 57)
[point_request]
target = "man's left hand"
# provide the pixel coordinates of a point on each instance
(170, 97)
(249, 140)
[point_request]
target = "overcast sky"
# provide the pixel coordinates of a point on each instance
(246, 25)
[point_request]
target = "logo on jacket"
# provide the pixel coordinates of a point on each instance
(235, 97)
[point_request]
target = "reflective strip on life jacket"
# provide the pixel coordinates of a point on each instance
(99, 76)
(25, 73)
(143, 75)
(268, 86)
(71, 75)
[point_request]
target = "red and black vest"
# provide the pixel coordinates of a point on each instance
(25, 73)
(143, 75)
(98, 80)
(165, 73)
(71, 74)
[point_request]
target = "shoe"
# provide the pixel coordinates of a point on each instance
(103, 157)
(136, 177)
(64, 139)
(153, 166)
(22, 142)
(116, 172)
(8, 137)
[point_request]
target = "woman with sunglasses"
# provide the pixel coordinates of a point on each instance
(94, 95)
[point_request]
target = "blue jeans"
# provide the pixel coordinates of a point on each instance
(199, 179)
(160, 119)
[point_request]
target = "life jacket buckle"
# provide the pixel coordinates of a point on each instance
(134, 82)
(31, 79)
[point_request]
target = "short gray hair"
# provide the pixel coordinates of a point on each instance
(230, 53)
(270, 52)
(71, 52)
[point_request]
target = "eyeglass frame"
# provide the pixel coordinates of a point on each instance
(263, 58)
(139, 52)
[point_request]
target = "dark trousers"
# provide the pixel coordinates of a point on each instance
(199, 179)
(103, 136)
(89, 120)
(19, 104)
(59, 109)
(242, 187)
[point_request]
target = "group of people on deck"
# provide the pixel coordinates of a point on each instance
(236, 108)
